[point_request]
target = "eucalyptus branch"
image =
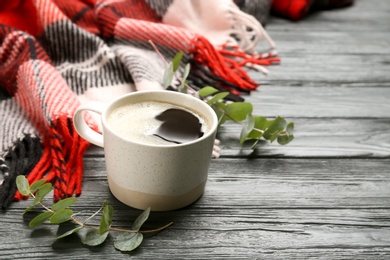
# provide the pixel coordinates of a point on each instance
(253, 127)
(172, 67)
(40, 202)
(142, 231)
(235, 121)
(127, 240)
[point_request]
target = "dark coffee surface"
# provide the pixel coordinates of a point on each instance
(178, 126)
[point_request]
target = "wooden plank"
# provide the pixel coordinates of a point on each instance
(331, 43)
(339, 70)
(321, 101)
(283, 208)
(344, 46)
(324, 137)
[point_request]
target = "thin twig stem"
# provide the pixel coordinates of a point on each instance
(83, 224)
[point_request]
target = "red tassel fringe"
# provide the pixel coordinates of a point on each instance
(229, 64)
(61, 162)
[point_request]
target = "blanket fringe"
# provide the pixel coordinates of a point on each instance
(62, 161)
(228, 64)
(18, 161)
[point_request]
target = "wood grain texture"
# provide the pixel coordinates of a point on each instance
(278, 208)
(331, 137)
(326, 195)
(320, 101)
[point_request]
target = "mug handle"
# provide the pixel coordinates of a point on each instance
(84, 130)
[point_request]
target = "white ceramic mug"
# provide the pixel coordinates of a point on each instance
(163, 177)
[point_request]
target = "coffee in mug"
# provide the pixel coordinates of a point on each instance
(157, 123)
(157, 147)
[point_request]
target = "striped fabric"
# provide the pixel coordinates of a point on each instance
(55, 55)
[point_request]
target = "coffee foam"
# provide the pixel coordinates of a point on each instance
(137, 122)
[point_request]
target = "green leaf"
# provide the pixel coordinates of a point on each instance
(260, 122)
(23, 185)
(285, 138)
(106, 220)
(288, 135)
(93, 238)
(141, 219)
(276, 125)
(260, 125)
(38, 220)
(290, 128)
(63, 204)
(207, 91)
(183, 87)
(36, 185)
(247, 128)
(274, 136)
(217, 97)
(43, 191)
(168, 75)
(128, 241)
(238, 111)
(30, 208)
(186, 72)
(61, 216)
(68, 233)
(219, 109)
(176, 61)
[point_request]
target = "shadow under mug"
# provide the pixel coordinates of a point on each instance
(163, 177)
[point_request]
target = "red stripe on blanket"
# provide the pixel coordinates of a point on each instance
(161, 34)
(49, 103)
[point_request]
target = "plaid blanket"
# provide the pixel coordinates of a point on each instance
(55, 55)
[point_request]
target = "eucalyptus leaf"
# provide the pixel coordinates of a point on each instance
(41, 218)
(43, 191)
(176, 61)
(285, 138)
(207, 91)
(68, 233)
(276, 125)
(140, 220)
(128, 241)
(261, 122)
(30, 207)
(23, 185)
(63, 204)
(106, 220)
(260, 125)
(219, 109)
(217, 97)
(247, 128)
(186, 72)
(290, 128)
(183, 87)
(288, 135)
(36, 185)
(168, 75)
(238, 111)
(92, 237)
(274, 136)
(61, 216)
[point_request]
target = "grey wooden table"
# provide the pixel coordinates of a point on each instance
(325, 195)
